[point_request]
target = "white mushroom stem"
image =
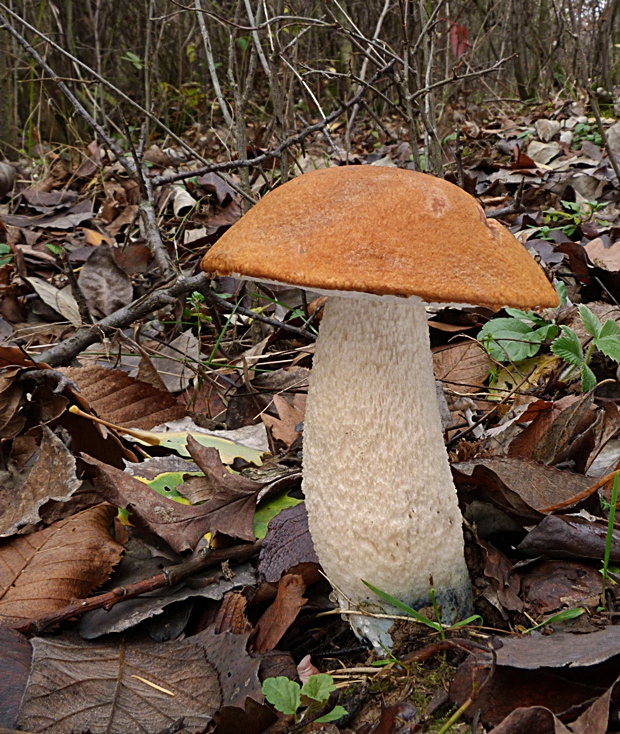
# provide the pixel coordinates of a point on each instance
(381, 502)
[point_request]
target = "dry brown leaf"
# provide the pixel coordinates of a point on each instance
(52, 478)
(233, 503)
(11, 400)
(288, 547)
(105, 286)
(282, 613)
(118, 687)
(463, 367)
(179, 525)
(283, 428)
(123, 400)
(42, 572)
(15, 660)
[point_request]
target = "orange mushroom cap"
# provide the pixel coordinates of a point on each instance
(385, 231)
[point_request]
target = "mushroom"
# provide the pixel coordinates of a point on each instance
(382, 506)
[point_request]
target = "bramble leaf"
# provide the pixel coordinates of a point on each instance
(588, 378)
(590, 321)
(610, 328)
(610, 346)
(568, 347)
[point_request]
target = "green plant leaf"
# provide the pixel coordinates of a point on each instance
(318, 687)
(267, 511)
(548, 331)
(468, 621)
(610, 346)
(568, 347)
(404, 608)
(560, 617)
(560, 288)
(610, 328)
(336, 713)
(516, 313)
(588, 378)
(590, 321)
(282, 693)
(509, 340)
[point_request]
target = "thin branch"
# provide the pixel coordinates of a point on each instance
(120, 94)
(170, 576)
(276, 152)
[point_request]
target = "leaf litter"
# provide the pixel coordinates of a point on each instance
(529, 462)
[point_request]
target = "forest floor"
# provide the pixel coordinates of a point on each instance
(155, 562)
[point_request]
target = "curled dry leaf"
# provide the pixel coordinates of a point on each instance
(282, 613)
(523, 489)
(42, 572)
(288, 547)
(284, 428)
(564, 536)
(51, 479)
(230, 511)
(234, 501)
(179, 525)
(118, 687)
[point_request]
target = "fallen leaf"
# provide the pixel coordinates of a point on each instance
(558, 437)
(15, 661)
(117, 687)
(181, 526)
(290, 416)
(69, 219)
(172, 361)
(233, 504)
(51, 479)
(120, 399)
(255, 718)
(565, 536)
(139, 562)
(105, 286)
(238, 671)
(61, 300)
(523, 489)
(462, 367)
(288, 547)
(282, 613)
(44, 571)
(562, 672)
(498, 568)
(606, 258)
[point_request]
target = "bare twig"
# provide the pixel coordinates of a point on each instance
(284, 145)
(67, 350)
(599, 123)
(170, 576)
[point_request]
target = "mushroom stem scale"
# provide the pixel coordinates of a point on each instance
(381, 502)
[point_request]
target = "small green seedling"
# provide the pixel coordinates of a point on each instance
(559, 617)
(289, 697)
(605, 338)
(418, 617)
